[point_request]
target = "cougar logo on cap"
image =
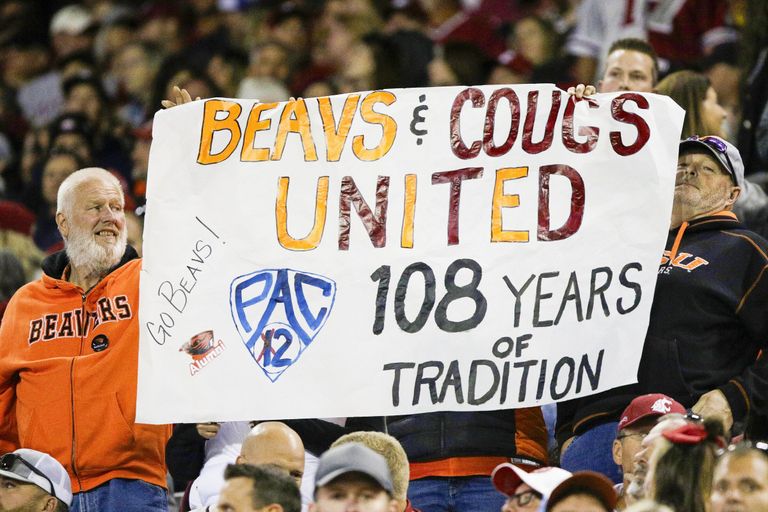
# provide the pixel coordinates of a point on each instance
(662, 405)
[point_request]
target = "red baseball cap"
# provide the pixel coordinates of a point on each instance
(645, 406)
(15, 217)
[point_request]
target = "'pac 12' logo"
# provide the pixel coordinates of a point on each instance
(278, 312)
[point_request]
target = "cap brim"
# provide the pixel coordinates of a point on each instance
(643, 416)
(14, 476)
(507, 478)
(597, 483)
(720, 157)
(333, 475)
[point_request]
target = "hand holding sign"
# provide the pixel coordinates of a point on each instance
(178, 97)
(343, 269)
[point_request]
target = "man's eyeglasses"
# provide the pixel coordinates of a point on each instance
(14, 463)
(641, 435)
(718, 145)
(524, 498)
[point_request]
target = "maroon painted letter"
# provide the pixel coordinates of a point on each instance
(573, 223)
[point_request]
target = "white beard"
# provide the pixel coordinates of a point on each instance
(90, 258)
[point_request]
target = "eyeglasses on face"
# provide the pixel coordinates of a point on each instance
(524, 498)
(641, 435)
(14, 463)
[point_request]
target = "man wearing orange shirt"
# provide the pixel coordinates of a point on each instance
(69, 355)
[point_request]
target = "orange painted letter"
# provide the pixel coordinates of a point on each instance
(256, 124)
(409, 212)
(388, 127)
(212, 125)
(295, 119)
(502, 200)
(312, 240)
(336, 137)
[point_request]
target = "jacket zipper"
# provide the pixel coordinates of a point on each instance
(85, 321)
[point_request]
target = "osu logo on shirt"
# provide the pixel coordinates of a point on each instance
(683, 260)
(72, 324)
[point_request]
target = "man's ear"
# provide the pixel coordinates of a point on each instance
(735, 193)
(63, 224)
(616, 449)
(50, 504)
(240, 460)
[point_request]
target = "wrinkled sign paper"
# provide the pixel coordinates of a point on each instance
(400, 251)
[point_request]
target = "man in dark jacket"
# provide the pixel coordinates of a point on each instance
(709, 319)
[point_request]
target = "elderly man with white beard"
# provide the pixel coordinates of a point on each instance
(69, 355)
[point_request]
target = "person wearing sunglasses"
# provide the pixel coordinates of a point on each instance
(708, 319)
(526, 490)
(33, 481)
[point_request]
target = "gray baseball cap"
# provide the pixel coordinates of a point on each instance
(726, 154)
(34, 467)
(353, 458)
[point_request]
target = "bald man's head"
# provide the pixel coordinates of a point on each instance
(277, 444)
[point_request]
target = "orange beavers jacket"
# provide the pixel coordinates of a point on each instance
(68, 369)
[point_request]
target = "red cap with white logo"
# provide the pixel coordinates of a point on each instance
(654, 404)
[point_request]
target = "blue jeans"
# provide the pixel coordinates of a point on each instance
(459, 494)
(123, 495)
(593, 450)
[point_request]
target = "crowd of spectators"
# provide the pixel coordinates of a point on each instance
(81, 81)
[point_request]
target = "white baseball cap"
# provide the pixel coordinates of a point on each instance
(507, 478)
(72, 19)
(34, 467)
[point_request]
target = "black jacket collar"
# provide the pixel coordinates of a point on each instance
(718, 221)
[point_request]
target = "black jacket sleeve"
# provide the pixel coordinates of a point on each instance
(749, 391)
(319, 435)
(184, 454)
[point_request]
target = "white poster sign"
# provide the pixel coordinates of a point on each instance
(402, 251)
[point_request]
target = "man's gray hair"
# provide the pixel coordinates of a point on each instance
(65, 197)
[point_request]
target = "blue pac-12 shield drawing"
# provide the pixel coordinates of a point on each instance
(278, 312)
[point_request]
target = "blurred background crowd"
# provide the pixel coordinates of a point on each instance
(80, 82)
